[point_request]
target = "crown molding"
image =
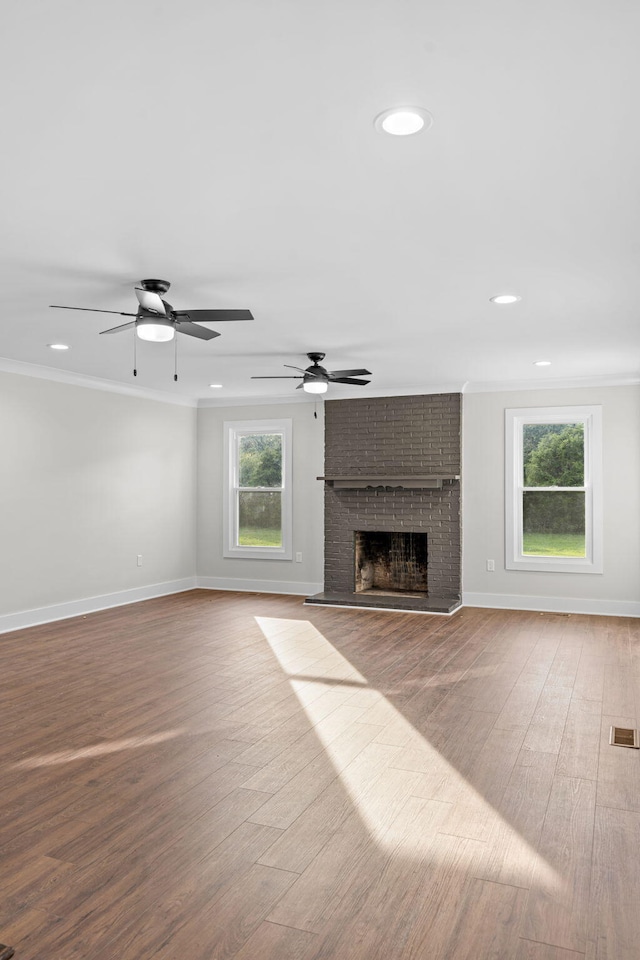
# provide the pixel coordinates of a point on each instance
(568, 383)
(470, 386)
(90, 383)
(402, 391)
(257, 401)
(414, 390)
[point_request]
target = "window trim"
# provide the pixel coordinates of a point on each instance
(515, 419)
(233, 431)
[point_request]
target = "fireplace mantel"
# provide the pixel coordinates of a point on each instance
(430, 482)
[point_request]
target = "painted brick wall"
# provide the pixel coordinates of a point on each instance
(414, 435)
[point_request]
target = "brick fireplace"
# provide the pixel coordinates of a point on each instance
(392, 468)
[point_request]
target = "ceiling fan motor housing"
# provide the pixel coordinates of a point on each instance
(316, 372)
(155, 286)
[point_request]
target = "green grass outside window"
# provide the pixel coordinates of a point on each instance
(553, 544)
(257, 537)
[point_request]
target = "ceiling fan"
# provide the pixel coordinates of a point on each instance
(315, 379)
(156, 320)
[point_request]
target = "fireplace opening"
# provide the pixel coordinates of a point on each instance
(390, 563)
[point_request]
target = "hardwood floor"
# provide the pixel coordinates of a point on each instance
(220, 775)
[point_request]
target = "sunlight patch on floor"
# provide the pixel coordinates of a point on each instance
(411, 769)
(96, 750)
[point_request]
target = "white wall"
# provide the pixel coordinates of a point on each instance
(617, 590)
(88, 480)
(280, 576)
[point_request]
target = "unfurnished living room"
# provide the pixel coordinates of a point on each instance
(320, 483)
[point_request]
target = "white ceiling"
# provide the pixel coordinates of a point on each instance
(228, 146)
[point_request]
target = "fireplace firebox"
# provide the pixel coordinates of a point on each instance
(391, 562)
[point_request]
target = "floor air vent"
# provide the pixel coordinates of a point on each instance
(624, 737)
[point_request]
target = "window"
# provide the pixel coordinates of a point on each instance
(258, 508)
(553, 485)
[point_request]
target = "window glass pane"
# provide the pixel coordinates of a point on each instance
(553, 523)
(259, 519)
(553, 454)
(260, 460)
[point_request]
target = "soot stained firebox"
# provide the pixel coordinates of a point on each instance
(391, 562)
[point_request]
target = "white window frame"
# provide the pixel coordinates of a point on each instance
(515, 420)
(234, 430)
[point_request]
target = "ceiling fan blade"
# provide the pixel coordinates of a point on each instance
(348, 380)
(150, 301)
(120, 313)
(283, 377)
(349, 373)
(194, 330)
(123, 326)
(213, 316)
(291, 367)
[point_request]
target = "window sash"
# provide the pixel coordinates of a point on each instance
(234, 433)
(240, 435)
(515, 421)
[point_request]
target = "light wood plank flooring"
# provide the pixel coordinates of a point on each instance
(223, 775)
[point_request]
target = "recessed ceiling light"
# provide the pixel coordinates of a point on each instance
(542, 363)
(505, 298)
(216, 386)
(57, 346)
(403, 121)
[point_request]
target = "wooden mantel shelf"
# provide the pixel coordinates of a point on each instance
(431, 482)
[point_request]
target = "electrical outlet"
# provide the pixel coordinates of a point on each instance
(491, 566)
(139, 559)
(298, 558)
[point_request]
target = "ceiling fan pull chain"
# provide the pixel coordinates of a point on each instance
(175, 359)
(135, 363)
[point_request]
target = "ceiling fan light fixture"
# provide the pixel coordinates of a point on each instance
(315, 386)
(403, 121)
(156, 330)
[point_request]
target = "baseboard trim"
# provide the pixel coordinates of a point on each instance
(291, 587)
(77, 608)
(603, 608)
